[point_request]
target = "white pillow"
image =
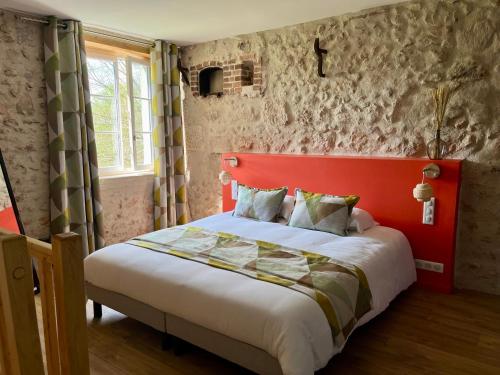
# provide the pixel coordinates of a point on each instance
(286, 209)
(361, 220)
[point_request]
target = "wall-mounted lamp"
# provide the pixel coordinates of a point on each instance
(225, 177)
(423, 191)
(232, 161)
(431, 171)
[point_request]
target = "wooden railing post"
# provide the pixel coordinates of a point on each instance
(19, 339)
(70, 303)
(49, 314)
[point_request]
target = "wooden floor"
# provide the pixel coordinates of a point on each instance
(420, 333)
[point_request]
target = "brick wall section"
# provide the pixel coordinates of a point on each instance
(244, 71)
(247, 73)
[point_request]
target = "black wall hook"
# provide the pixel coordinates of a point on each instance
(319, 52)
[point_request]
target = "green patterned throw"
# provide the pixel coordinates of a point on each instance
(341, 289)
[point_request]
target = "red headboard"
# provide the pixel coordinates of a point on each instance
(385, 187)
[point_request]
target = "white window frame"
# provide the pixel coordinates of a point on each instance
(131, 97)
(116, 117)
(135, 167)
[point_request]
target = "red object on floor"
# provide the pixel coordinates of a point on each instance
(385, 186)
(8, 220)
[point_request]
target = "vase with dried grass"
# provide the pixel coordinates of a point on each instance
(437, 147)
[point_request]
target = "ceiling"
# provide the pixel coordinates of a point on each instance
(191, 21)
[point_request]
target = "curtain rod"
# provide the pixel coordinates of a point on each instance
(46, 22)
(118, 37)
(93, 31)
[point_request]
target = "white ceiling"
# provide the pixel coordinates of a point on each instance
(191, 21)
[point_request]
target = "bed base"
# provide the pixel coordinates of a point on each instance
(243, 354)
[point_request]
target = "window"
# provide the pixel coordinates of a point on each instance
(120, 92)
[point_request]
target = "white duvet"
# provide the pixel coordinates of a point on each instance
(287, 324)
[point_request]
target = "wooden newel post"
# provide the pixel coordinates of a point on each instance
(70, 303)
(20, 351)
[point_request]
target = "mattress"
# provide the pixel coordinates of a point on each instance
(287, 324)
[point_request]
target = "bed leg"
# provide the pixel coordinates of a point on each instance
(97, 310)
(166, 341)
(180, 346)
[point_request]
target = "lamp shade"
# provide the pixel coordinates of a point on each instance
(423, 192)
(225, 177)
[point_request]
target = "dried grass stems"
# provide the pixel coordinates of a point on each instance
(441, 95)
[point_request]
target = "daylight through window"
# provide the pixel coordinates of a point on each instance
(120, 92)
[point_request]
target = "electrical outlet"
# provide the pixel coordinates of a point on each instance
(429, 209)
(234, 190)
(429, 266)
(437, 267)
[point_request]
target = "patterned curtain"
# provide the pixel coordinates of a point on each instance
(170, 205)
(74, 183)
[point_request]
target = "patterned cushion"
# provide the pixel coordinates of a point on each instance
(286, 210)
(260, 204)
(323, 212)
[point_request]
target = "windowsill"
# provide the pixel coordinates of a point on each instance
(132, 183)
(120, 175)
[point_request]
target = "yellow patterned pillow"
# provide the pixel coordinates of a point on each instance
(323, 212)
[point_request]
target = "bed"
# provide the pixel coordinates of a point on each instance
(268, 328)
(262, 326)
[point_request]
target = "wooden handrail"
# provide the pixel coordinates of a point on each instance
(37, 249)
(20, 346)
(60, 267)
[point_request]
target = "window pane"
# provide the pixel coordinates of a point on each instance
(143, 149)
(124, 114)
(101, 76)
(142, 115)
(103, 113)
(140, 75)
(108, 150)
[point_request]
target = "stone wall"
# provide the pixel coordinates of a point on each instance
(375, 100)
(128, 205)
(127, 201)
(23, 125)
(4, 195)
